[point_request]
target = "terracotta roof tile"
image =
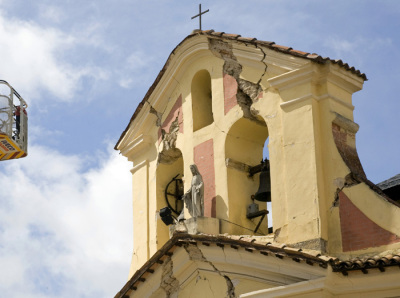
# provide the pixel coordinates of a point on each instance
(282, 48)
(300, 53)
(247, 39)
(217, 33)
(266, 43)
(364, 264)
(231, 36)
(292, 249)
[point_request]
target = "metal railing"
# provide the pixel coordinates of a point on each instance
(13, 115)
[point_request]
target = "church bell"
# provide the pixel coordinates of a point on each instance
(264, 191)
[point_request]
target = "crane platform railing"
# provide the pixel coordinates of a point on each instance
(13, 123)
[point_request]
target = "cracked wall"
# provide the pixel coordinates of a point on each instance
(168, 132)
(244, 92)
(168, 282)
(196, 255)
(345, 143)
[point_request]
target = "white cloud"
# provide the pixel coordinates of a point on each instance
(31, 60)
(64, 232)
(136, 70)
(51, 13)
(355, 50)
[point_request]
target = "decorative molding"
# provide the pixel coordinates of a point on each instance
(317, 74)
(344, 79)
(317, 98)
(338, 100)
(305, 287)
(139, 166)
(137, 146)
(293, 78)
(297, 100)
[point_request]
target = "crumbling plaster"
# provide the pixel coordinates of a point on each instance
(248, 92)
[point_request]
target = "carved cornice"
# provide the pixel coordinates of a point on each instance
(317, 98)
(316, 75)
(136, 147)
(294, 78)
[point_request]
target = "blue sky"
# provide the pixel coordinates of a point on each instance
(83, 66)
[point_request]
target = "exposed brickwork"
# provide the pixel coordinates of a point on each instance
(204, 159)
(177, 108)
(348, 153)
(358, 231)
(230, 90)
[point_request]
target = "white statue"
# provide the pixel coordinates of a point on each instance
(194, 197)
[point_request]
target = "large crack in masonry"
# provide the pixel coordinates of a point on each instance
(158, 115)
(247, 92)
(350, 180)
(195, 254)
(263, 61)
(169, 152)
(168, 282)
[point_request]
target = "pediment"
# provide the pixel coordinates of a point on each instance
(201, 263)
(250, 53)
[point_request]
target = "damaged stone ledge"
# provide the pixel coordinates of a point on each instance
(197, 225)
(343, 131)
(237, 165)
(353, 179)
(345, 123)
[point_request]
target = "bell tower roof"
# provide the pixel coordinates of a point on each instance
(316, 58)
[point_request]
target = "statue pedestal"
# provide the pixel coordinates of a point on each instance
(197, 225)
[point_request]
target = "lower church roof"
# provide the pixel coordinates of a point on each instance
(261, 245)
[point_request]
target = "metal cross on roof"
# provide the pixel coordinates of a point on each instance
(199, 15)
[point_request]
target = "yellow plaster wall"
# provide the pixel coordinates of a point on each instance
(306, 169)
(205, 285)
(384, 213)
(140, 216)
(164, 174)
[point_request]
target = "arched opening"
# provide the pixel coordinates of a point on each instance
(269, 204)
(201, 100)
(167, 190)
(243, 150)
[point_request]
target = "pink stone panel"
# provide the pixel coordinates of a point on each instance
(204, 159)
(230, 91)
(175, 111)
(358, 231)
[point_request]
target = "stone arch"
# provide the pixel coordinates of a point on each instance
(244, 149)
(164, 174)
(201, 100)
(269, 204)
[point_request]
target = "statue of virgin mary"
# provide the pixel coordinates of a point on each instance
(194, 197)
